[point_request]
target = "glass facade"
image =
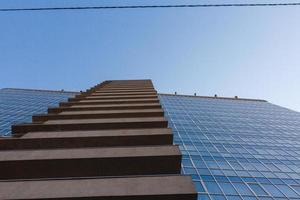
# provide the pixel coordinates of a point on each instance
(233, 149)
(237, 149)
(18, 105)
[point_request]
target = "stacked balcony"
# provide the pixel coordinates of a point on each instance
(110, 142)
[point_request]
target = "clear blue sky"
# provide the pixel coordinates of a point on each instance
(249, 52)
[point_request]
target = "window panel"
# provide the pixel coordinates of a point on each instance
(296, 187)
(287, 191)
(257, 189)
(199, 186)
(227, 188)
(217, 197)
(242, 189)
(272, 190)
(229, 197)
(212, 187)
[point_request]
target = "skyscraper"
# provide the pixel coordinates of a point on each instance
(237, 148)
(111, 142)
(233, 148)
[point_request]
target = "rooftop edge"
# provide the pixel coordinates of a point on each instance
(41, 90)
(212, 97)
(167, 94)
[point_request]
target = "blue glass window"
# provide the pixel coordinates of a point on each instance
(213, 188)
(287, 191)
(248, 149)
(228, 188)
(231, 197)
(272, 190)
(249, 198)
(296, 187)
(259, 191)
(242, 189)
(199, 186)
(217, 197)
(18, 105)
